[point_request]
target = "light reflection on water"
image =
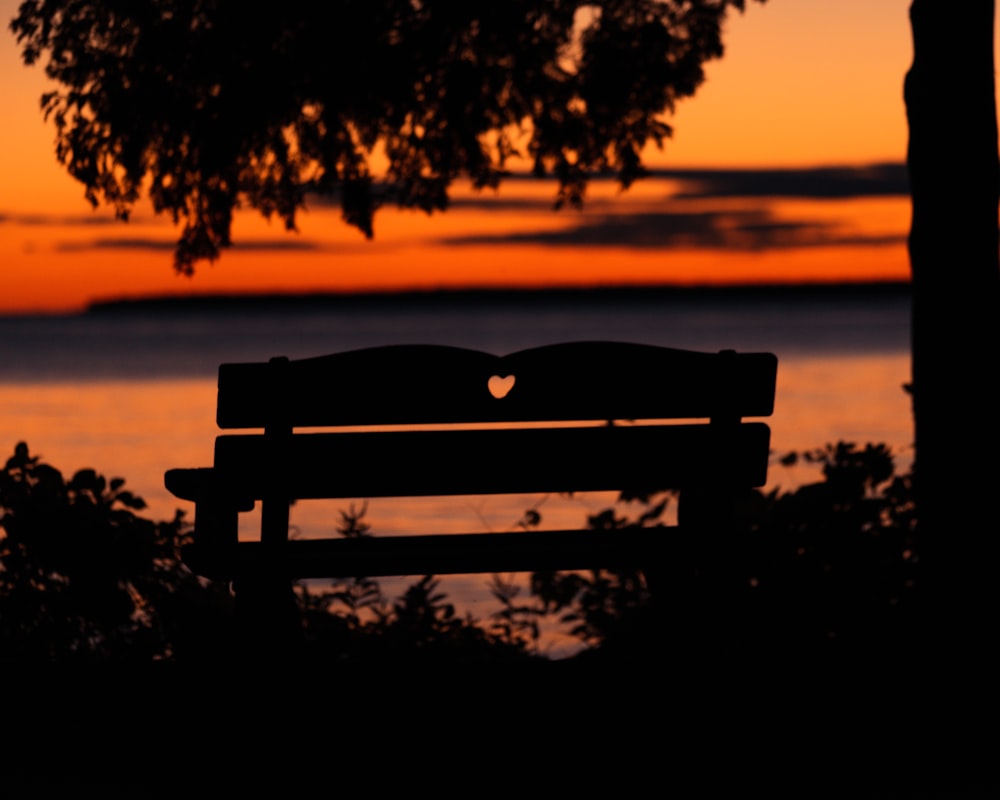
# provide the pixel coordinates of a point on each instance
(139, 429)
(133, 396)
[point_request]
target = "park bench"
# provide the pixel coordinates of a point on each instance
(423, 420)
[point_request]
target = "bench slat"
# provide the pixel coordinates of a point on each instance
(457, 554)
(413, 384)
(457, 462)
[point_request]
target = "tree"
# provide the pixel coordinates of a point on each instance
(955, 185)
(214, 108)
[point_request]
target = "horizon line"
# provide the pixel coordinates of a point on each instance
(257, 298)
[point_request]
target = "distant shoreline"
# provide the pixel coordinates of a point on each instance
(245, 302)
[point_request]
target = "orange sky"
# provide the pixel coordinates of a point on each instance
(803, 83)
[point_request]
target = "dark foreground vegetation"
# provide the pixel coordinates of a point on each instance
(826, 568)
(787, 655)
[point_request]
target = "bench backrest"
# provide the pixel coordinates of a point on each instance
(416, 385)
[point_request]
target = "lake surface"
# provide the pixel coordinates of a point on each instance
(129, 389)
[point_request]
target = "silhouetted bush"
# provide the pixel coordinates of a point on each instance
(837, 561)
(353, 618)
(829, 567)
(83, 576)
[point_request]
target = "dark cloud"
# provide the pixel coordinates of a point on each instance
(753, 229)
(736, 230)
(57, 220)
(820, 183)
(131, 243)
(163, 245)
(877, 180)
(489, 199)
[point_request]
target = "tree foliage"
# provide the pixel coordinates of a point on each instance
(211, 107)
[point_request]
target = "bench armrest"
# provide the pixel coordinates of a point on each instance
(202, 484)
(212, 551)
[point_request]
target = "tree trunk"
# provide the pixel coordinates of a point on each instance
(955, 267)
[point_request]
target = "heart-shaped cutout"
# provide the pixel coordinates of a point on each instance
(500, 386)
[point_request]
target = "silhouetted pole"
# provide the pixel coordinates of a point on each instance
(955, 185)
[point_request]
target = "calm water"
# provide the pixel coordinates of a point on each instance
(130, 391)
(136, 341)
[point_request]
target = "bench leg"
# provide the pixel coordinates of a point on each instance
(270, 623)
(267, 612)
